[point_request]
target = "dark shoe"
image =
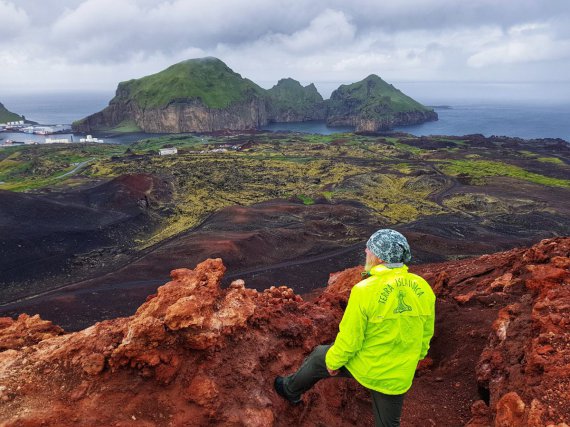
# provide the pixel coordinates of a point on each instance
(280, 389)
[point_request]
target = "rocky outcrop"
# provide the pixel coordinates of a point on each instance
(25, 331)
(288, 101)
(373, 105)
(195, 354)
(526, 365)
(523, 372)
(205, 95)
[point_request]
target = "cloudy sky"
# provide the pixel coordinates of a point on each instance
(93, 44)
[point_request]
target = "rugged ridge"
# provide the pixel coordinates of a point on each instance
(201, 95)
(196, 354)
(372, 105)
(289, 101)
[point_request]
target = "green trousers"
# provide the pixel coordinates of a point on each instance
(387, 408)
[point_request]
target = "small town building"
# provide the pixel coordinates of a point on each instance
(167, 151)
(90, 139)
(57, 141)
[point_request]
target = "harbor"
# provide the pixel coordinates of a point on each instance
(21, 133)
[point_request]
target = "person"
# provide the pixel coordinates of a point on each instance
(384, 332)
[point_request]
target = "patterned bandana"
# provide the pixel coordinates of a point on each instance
(390, 246)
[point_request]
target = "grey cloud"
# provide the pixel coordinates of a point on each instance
(143, 27)
(15, 21)
(326, 40)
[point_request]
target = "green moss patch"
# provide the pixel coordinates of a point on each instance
(306, 199)
(480, 169)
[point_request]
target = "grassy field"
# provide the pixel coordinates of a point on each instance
(480, 169)
(40, 166)
(394, 177)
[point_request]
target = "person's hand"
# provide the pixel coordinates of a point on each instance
(332, 373)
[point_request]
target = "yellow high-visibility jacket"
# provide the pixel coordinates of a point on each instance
(386, 329)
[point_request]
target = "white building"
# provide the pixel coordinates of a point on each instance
(57, 141)
(167, 151)
(90, 139)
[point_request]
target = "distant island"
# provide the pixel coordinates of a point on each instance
(205, 95)
(7, 116)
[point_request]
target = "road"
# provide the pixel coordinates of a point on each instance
(75, 169)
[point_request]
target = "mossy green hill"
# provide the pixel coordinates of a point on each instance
(208, 80)
(204, 95)
(8, 116)
(290, 91)
(372, 104)
(290, 101)
(374, 96)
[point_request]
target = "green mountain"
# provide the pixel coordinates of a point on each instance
(289, 101)
(208, 80)
(8, 116)
(205, 95)
(372, 104)
(197, 95)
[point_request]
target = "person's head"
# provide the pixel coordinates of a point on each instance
(387, 246)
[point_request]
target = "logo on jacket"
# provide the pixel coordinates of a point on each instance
(402, 306)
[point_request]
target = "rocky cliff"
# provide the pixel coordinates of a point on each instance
(198, 95)
(177, 117)
(289, 101)
(372, 105)
(202, 95)
(196, 354)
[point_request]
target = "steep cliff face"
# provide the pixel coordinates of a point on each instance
(195, 354)
(372, 105)
(202, 95)
(289, 101)
(178, 117)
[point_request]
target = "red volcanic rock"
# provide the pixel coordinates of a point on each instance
(510, 411)
(192, 355)
(529, 349)
(340, 284)
(195, 354)
(25, 331)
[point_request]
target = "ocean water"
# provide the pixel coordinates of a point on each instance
(521, 120)
(56, 108)
(518, 118)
